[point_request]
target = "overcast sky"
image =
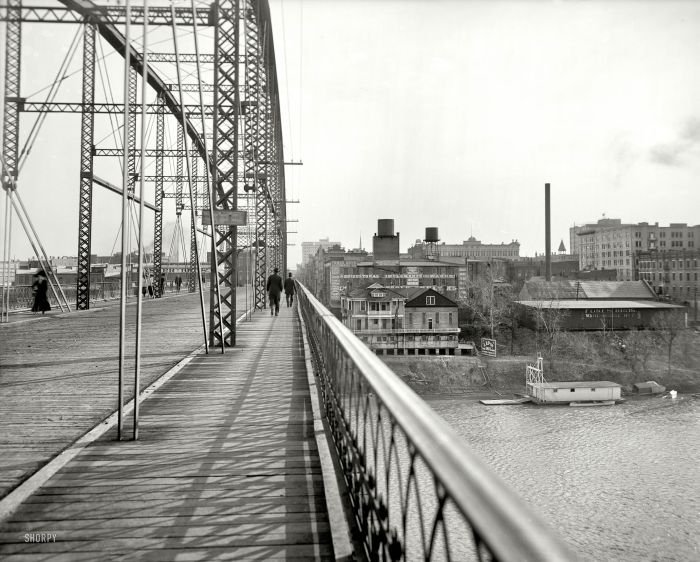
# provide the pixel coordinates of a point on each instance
(450, 114)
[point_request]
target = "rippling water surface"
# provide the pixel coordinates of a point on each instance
(618, 482)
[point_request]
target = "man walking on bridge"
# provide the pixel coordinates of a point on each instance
(274, 289)
(289, 290)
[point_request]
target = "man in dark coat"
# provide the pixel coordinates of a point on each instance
(274, 289)
(289, 290)
(40, 288)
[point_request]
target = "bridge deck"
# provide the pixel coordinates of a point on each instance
(226, 467)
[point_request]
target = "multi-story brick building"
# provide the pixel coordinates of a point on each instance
(611, 244)
(672, 273)
(470, 248)
(309, 249)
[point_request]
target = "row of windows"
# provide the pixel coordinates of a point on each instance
(423, 338)
(645, 264)
(677, 290)
(653, 276)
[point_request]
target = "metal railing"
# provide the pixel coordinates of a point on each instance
(417, 491)
(21, 297)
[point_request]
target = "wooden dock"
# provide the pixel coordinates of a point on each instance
(226, 467)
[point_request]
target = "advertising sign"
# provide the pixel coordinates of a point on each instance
(225, 217)
(488, 347)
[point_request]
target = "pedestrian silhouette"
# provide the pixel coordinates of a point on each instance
(274, 289)
(39, 288)
(289, 290)
(161, 286)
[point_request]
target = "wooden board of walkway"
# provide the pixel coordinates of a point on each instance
(226, 467)
(59, 372)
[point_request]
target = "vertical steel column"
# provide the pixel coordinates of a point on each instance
(226, 151)
(10, 131)
(158, 219)
(180, 169)
(87, 131)
(133, 102)
(192, 277)
(256, 149)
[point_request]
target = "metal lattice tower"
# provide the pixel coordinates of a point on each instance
(10, 133)
(245, 87)
(225, 181)
(87, 133)
(158, 219)
(192, 277)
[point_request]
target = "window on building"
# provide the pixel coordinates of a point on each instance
(430, 300)
(449, 316)
(437, 317)
(375, 322)
(358, 325)
(430, 323)
(363, 306)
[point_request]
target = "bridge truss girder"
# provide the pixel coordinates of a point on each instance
(87, 133)
(232, 19)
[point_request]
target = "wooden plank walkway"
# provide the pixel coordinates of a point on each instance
(59, 372)
(226, 468)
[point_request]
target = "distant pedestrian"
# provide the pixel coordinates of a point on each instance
(274, 289)
(161, 286)
(289, 290)
(178, 283)
(150, 288)
(40, 288)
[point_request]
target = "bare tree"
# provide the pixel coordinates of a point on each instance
(549, 318)
(668, 326)
(637, 350)
(488, 302)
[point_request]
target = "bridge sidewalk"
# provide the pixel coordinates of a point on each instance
(226, 467)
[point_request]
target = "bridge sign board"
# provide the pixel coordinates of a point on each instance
(225, 217)
(488, 347)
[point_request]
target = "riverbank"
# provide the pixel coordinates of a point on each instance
(622, 357)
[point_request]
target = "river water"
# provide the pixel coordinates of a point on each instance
(618, 483)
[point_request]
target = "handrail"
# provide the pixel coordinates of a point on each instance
(411, 479)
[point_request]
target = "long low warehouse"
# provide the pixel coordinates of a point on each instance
(600, 314)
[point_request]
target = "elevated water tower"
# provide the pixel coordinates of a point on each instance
(431, 240)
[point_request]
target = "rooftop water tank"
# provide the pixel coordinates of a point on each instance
(385, 227)
(431, 234)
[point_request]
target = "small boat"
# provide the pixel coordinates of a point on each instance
(594, 403)
(505, 401)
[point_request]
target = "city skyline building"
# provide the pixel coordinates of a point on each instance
(612, 244)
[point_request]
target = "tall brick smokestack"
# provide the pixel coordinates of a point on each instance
(547, 237)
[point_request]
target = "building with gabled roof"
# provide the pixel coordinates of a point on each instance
(562, 289)
(402, 320)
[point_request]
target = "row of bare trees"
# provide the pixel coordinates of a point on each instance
(489, 306)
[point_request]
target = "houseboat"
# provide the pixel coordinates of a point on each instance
(574, 393)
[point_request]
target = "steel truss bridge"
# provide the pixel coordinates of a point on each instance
(240, 169)
(415, 489)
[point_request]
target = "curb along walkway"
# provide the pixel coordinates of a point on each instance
(226, 467)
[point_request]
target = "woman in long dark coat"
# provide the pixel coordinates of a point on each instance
(40, 287)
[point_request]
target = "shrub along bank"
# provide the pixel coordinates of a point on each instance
(621, 357)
